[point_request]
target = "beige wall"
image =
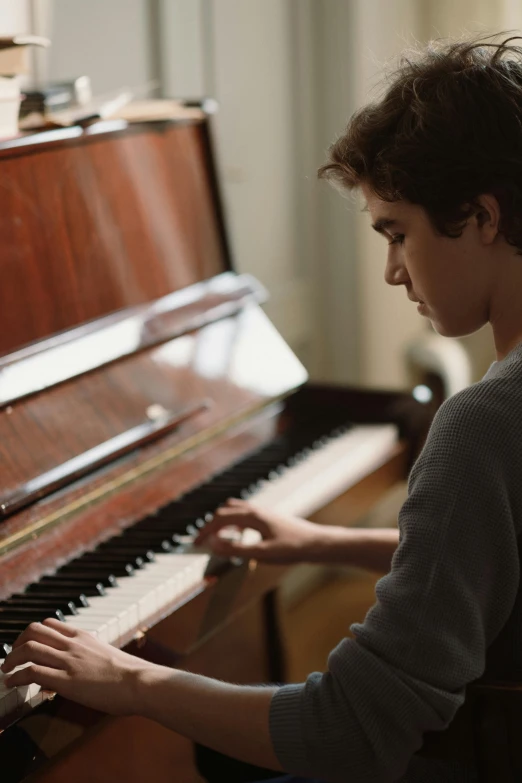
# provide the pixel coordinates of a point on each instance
(449, 18)
(14, 16)
(244, 54)
(388, 320)
(106, 39)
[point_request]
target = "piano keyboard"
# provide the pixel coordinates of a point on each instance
(123, 585)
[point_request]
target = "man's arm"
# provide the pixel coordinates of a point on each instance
(231, 719)
(370, 548)
(292, 540)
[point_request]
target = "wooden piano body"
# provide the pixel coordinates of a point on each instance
(140, 384)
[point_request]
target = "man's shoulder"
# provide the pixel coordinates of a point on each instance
(489, 406)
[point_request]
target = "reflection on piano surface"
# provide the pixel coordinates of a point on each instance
(140, 386)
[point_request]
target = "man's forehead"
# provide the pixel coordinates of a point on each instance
(382, 211)
(374, 204)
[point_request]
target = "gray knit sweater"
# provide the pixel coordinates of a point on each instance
(449, 608)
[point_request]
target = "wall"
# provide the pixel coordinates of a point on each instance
(387, 320)
(251, 57)
(447, 18)
(336, 258)
(14, 17)
(106, 39)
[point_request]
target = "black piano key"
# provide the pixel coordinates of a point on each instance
(169, 516)
(11, 613)
(118, 560)
(84, 581)
(5, 649)
(165, 528)
(237, 474)
(121, 545)
(100, 572)
(181, 511)
(215, 493)
(57, 596)
(67, 608)
(7, 639)
(152, 539)
(54, 593)
(14, 626)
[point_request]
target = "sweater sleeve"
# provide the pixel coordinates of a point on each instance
(452, 586)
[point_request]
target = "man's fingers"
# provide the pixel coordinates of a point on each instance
(47, 678)
(42, 632)
(223, 522)
(224, 546)
(34, 653)
(62, 628)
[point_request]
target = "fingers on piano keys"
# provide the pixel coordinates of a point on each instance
(14, 700)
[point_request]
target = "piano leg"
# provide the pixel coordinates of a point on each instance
(215, 767)
(274, 639)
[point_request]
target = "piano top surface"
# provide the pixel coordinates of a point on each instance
(97, 220)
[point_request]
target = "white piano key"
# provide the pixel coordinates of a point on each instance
(328, 471)
(105, 628)
(100, 631)
(12, 699)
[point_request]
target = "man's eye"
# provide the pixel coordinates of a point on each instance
(398, 239)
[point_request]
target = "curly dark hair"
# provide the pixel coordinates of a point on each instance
(447, 129)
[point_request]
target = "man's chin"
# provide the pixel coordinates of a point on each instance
(453, 330)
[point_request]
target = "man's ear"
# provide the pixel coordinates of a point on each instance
(488, 216)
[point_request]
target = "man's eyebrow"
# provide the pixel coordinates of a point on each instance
(383, 223)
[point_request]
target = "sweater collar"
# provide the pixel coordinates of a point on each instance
(499, 367)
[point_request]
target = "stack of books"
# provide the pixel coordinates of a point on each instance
(14, 62)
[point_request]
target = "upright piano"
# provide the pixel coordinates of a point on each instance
(141, 384)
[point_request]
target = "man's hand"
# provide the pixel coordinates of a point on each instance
(76, 665)
(284, 539)
(232, 719)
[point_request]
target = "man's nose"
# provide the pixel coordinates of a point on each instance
(395, 272)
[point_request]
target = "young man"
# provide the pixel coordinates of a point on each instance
(439, 160)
